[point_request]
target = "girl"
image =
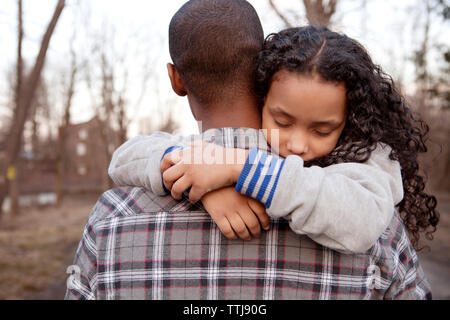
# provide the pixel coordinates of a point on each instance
(350, 143)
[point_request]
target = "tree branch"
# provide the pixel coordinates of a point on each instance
(280, 14)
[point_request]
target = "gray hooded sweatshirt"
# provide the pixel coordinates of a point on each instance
(345, 206)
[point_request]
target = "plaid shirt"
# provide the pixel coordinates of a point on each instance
(140, 246)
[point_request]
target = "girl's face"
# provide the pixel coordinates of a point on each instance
(308, 112)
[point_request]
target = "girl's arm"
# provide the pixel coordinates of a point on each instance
(343, 206)
(137, 161)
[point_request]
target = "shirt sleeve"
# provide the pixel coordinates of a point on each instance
(82, 280)
(137, 161)
(345, 206)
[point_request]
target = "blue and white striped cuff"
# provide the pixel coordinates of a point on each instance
(166, 152)
(259, 177)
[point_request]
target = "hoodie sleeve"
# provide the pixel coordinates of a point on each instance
(137, 161)
(345, 206)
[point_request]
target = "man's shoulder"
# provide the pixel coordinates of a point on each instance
(117, 202)
(129, 201)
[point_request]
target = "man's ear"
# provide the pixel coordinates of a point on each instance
(176, 81)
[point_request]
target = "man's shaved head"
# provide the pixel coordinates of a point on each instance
(214, 45)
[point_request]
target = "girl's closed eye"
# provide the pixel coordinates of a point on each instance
(322, 134)
(282, 124)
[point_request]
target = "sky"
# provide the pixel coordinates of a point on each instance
(387, 30)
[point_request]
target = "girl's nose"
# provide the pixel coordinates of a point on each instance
(298, 144)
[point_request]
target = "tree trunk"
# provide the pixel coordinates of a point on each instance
(14, 208)
(107, 135)
(12, 167)
(422, 61)
(61, 166)
(318, 12)
(26, 97)
(122, 122)
(62, 133)
(35, 130)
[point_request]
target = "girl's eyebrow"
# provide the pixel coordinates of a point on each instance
(330, 123)
(280, 111)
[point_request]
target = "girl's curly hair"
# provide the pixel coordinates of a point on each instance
(377, 112)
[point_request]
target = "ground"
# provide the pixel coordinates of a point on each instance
(37, 246)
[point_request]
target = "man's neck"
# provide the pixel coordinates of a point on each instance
(242, 112)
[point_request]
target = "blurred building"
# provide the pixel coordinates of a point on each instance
(87, 160)
(87, 157)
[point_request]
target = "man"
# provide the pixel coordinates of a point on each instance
(138, 245)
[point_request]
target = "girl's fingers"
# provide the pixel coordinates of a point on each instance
(172, 174)
(170, 159)
(250, 220)
(181, 185)
(225, 227)
(238, 225)
(260, 211)
(196, 194)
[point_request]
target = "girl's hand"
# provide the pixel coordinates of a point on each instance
(203, 167)
(236, 214)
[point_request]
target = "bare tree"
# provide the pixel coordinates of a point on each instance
(432, 96)
(318, 12)
(39, 110)
(23, 104)
(432, 84)
(421, 57)
(111, 101)
(11, 173)
(62, 132)
(114, 88)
